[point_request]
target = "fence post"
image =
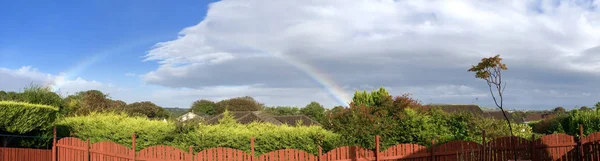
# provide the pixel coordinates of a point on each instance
(54, 146)
(133, 148)
(580, 141)
(482, 146)
(87, 150)
(432, 149)
(377, 156)
(320, 153)
(191, 154)
(532, 147)
(252, 147)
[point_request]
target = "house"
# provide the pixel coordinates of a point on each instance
(190, 115)
(247, 117)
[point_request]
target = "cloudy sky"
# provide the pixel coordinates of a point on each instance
(291, 52)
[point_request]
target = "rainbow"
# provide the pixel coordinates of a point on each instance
(327, 83)
(74, 71)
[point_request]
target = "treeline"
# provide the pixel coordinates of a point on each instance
(397, 119)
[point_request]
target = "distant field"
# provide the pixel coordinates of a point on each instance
(176, 112)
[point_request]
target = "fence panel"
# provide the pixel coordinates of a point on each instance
(287, 155)
(556, 147)
(458, 150)
(22, 154)
(162, 153)
(406, 152)
(103, 151)
(72, 149)
(591, 147)
(222, 154)
(348, 153)
(500, 149)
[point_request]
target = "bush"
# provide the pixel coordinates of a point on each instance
(20, 117)
(268, 137)
(119, 128)
(569, 123)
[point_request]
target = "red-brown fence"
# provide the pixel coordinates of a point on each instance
(21, 154)
(554, 147)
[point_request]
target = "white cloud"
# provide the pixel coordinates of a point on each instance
(420, 46)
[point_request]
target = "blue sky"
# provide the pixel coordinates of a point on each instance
(56, 36)
(293, 52)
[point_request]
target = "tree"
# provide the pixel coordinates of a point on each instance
(204, 107)
(377, 98)
(490, 69)
(245, 103)
(314, 110)
(37, 94)
(585, 108)
(597, 105)
(282, 110)
(405, 101)
(85, 102)
(148, 109)
(559, 110)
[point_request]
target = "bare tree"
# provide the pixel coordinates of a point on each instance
(490, 69)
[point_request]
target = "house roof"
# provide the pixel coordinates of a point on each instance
(532, 117)
(292, 119)
(499, 116)
(246, 117)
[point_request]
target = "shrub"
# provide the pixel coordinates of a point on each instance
(268, 137)
(119, 128)
(20, 117)
(569, 123)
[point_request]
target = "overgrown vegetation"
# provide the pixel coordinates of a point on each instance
(401, 119)
(26, 118)
(119, 127)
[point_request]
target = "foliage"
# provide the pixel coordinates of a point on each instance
(585, 108)
(559, 110)
(282, 110)
(314, 110)
(204, 107)
(569, 123)
(246, 103)
(377, 98)
(176, 112)
(85, 102)
(119, 129)
(268, 137)
(20, 117)
(40, 95)
(147, 109)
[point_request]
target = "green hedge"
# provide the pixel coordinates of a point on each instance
(21, 117)
(268, 137)
(119, 128)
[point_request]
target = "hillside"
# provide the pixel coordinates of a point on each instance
(176, 112)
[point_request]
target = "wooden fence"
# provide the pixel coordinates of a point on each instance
(21, 154)
(554, 147)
